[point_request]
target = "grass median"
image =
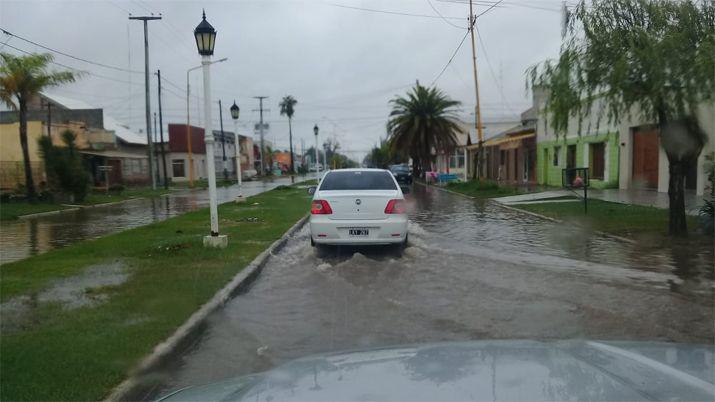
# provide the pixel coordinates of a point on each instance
(77, 319)
(620, 219)
(482, 189)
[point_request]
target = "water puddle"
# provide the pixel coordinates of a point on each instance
(88, 288)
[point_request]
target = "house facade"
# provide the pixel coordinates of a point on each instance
(510, 156)
(179, 163)
(627, 155)
(101, 140)
(460, 161)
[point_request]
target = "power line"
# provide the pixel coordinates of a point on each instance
(77, 69)
(173, 85)
(451, 58)
(487, 10)
(69, 55)
(491, 70)
(391, 12)
(442, 16)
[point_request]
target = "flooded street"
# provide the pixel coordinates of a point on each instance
(473, 270)
(32, 236)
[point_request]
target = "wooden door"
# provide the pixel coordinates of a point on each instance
(571, 156)
(645, 158)
(115, 175)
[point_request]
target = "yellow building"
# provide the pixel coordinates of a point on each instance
(12, 171)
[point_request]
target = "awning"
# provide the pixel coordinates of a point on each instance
(114, 154)
(503, 140)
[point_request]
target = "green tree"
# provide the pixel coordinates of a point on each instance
(422, 121)
(66, 171)
(380, 157)
(646, 58)
(21, 78)
(287, 106)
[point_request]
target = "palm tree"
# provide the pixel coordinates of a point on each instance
(21, 78)
(287, 105)
(424, 120)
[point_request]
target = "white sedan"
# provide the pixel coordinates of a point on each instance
(358, 207)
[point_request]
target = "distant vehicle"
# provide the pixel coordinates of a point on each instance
(482, 371)
(358, 207)
(248, 174)
(402, 173)
(313, 168)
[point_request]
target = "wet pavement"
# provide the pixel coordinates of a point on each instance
(472, 270)
(27, 237)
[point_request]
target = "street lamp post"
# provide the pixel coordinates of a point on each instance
(317, 170)
(188, 121)
(205, 36)
(223, 142)
(235, 112)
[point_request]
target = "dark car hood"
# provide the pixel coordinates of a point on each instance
(483, 370)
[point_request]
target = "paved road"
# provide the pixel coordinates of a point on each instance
(27, 237)
(473, 270)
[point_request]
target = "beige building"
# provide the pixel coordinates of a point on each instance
(102, 140)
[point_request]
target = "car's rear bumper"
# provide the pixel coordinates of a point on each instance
(390, 230)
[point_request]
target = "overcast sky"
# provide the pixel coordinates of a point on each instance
(342, 64)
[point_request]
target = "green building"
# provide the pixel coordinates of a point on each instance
(598, 152)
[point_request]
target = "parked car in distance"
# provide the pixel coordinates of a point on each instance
(358, 207)
(313, 168)
(402, 173)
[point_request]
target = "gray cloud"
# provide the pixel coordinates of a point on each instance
(343, 65)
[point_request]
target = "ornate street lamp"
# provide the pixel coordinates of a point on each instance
(235, 111)
(205, 36)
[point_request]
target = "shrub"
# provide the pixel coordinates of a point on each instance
(707, 217)
(66, 171)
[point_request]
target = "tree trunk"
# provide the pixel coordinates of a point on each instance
(29, 183)
(416, 168)
(677, 225)
(290, 144)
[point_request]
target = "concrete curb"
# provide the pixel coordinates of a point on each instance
(79, 207)
(39, 214)
(537, 215)
(187, 329)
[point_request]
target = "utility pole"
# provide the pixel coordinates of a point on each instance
(161, 134)
(150, 147)
(260, 109)
(478, 114)
(156, 151)
(223, 141)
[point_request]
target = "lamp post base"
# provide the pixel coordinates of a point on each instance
(220, 241)
(240, 199)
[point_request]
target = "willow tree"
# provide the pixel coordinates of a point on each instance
(21, 78)
(423, 121)
(647, 59)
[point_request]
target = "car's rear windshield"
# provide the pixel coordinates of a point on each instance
(400, 169)
(358, 180)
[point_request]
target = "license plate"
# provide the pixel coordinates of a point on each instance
(358, 232)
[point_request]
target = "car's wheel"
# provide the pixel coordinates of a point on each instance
(312, 242)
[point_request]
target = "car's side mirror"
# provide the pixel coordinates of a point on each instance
(311, 190)
(405, 189)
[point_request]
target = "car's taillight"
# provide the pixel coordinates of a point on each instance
(395, 207)
(320, 207)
